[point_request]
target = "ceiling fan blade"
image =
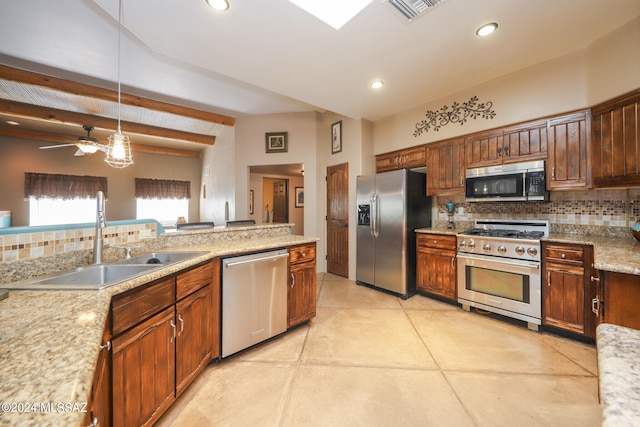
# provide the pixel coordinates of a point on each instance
(46, 147)
(79, 153)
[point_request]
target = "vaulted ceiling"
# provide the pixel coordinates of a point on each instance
(270, 56)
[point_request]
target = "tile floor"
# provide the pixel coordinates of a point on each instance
(371, 359)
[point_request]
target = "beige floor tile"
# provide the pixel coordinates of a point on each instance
(471, 342)
(353, 396)
(528, 400)
(345, 293)
(238, 394)
(420, 302)
(583, 354)
(285, 348)
(379, 337)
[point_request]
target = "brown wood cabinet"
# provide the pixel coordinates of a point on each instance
(163, 337)
(484, 149)
(566, 288)
(615, 142)
(436, 265)
(621, 299)
(525, 142)
(567, 164)
(301, 297)
(99, 404)
(409, 158)
(446, 167)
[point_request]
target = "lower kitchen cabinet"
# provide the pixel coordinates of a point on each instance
(566, 288)
(301, 297)
(164, 336)
(436, 265)
(99, 404)
(621, 299)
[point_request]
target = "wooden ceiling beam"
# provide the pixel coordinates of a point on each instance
(50, 114)
(28, 77)
(54, 138)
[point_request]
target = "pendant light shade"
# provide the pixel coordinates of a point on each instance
(119, 147)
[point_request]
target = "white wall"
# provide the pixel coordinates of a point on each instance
(220, 183)
(296, 215)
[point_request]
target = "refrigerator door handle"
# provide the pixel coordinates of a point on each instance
(374, 214)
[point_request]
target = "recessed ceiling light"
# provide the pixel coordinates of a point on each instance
(220, 5)
(12, 123)
(486, 29)
(377, 84)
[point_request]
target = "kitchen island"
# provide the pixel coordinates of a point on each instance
(50, 340)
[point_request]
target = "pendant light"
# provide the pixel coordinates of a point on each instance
(119, 147)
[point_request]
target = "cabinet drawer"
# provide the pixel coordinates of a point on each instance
(141, 303)
(437, 241)
(193, 280)
(302, 253)
(566, 254)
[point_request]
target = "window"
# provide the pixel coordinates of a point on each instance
(165, 211)
(59, 211)
(163, 200)
(62, 199)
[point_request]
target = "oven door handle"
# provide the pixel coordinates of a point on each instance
(523, 263)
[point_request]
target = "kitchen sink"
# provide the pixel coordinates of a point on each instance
(93, 277)
(159, 258)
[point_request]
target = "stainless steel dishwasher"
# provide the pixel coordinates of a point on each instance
(254, 299)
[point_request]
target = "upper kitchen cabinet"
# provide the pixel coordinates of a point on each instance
(414, 157)
(567, 163)
(615, 135)
(518, 143)
(525, 142)
(484, 149)
(446, 167)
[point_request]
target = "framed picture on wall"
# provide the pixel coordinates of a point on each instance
(276, 142)
(336, 137)
(299, 197)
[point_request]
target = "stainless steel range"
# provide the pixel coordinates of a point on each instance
(499, 268)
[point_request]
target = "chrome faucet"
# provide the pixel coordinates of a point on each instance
(100, 224)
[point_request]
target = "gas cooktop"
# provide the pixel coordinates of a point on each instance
(504, 233)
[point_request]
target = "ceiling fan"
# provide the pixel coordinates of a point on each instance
(85, 144)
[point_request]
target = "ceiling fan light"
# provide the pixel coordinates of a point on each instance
(88, 148)
(377, 84)
(119, 151)
(220, 5)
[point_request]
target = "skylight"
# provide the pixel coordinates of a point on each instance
(333, 12)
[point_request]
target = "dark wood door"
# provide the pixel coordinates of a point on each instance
(338, 220)
(567, 162)
(195, 335)
(281, 201)
(446, 168)
(301, 305)
(143, 371)
(564, 301)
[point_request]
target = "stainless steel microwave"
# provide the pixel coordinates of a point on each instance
(511, 182)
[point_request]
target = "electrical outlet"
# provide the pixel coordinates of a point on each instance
(460, 210)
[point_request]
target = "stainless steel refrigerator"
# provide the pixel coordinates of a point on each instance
(391, 205)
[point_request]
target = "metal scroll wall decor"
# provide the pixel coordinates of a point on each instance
(459, 113)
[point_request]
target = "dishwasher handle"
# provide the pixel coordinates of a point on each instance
(247, 261)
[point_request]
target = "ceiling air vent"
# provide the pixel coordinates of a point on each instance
(411, 9)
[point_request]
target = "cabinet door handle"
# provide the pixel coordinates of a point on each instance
(181, 324)
(461, 181)
(293, 280)
(173, 327)
(553, 173)
(595, 279)
(506, 150)
(499, 151)
(453, 261)
(595, 306)
(548, 278)
(106, 346)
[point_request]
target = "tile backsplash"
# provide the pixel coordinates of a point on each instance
(594, 212)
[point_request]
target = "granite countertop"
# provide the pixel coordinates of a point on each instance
(620, 255)
(619, 374)
(49, 340)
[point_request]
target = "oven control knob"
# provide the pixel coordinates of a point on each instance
(472, 244)
(462, 243)
(519, 250)
(532, 251)
(502, 249)
(486, 247)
